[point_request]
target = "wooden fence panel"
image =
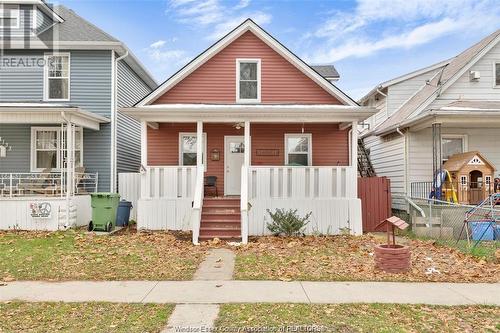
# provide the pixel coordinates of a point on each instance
(375, 195)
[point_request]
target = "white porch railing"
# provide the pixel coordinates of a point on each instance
(45, 184)
(168, 182)
(301, 182)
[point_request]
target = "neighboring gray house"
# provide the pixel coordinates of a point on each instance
(57, 69)
(430, 114)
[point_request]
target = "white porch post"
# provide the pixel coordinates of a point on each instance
(199, 144)
(145, 181)
(354, 157)
(247, 144)
(144, 144)
(69, 167)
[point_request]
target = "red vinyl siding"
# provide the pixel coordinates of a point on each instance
(329, 144)
(215, 80)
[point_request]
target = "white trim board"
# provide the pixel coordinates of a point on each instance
(251, 26)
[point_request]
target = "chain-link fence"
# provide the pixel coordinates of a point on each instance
(464, 226)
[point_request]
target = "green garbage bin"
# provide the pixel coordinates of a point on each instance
(104, 207)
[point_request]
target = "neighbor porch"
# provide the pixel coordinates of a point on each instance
(43, 182)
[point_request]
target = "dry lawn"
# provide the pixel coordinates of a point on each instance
(349, 258)
(77, 255)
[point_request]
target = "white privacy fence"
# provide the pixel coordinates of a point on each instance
(168, 182)
(45, 184)
(302, 182)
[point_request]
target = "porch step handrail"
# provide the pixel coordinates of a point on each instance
(197, 204)
(244, 204)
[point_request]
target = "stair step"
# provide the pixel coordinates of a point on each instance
(220, 233)
(220, 217)
(221, 224)
(225, 238)
(220, 210)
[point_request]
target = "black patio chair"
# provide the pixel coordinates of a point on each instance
(211, 184)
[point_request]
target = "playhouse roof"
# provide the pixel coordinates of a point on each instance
(458, 161)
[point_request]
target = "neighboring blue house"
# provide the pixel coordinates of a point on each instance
(62, 80)
(54, 61)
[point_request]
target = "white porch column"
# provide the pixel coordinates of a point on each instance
(199, 144)
(247, 155)
(70, 168)
(144, 144)
(354, 156)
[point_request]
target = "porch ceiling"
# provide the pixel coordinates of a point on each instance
(44, 113)
(263, 113)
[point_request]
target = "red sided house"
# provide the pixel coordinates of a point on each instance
(245, 127)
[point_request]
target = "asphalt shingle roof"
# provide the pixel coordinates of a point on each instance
(448, 72)
(75, 28)
(326, 71)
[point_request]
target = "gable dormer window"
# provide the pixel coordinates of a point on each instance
(248, 80)
(57, 77)
(9, 16)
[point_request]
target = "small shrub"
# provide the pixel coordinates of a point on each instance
(287, 223)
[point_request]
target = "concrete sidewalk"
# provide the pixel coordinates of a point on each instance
(215, 292)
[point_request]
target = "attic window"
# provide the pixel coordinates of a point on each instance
(248, 80)
(9, 17)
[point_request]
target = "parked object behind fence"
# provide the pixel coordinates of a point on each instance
(391, 257)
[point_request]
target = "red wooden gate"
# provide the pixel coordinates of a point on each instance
(375, 195)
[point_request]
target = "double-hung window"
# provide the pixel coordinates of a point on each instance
(452, 144)
(48, 148)
(298, 149)
(57, 77)
(187, 149)
(9, 16)
(248, 80)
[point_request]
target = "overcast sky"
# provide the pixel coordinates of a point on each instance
(369, 41)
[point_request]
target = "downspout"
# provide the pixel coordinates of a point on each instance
(349, 139)
(114, 119)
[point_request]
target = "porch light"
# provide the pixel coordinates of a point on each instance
(215, 154)
(238, 126)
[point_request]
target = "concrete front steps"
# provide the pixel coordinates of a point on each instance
(220, 218)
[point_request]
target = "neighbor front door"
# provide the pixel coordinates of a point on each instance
(234, 154)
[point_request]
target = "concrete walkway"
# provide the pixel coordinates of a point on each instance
(218, 265)
(217, 292)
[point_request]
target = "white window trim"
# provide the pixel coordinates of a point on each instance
(14, 13)
(494, 83)
(464, 181)
(34, 129)
(246, 100)
(309, 148)
(464, 137)
(181, 160)
(487, 180)
(46, 76)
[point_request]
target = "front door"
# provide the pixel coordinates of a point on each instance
(234, 156)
